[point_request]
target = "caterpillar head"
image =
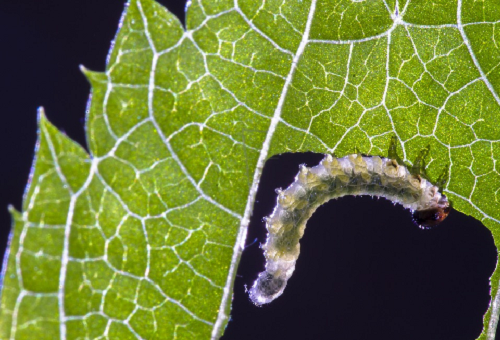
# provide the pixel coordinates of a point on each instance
(429, 218)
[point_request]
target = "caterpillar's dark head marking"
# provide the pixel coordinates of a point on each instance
(431, 217)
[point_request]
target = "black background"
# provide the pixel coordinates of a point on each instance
(365, 271)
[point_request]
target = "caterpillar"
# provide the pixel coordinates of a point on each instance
(330, 179)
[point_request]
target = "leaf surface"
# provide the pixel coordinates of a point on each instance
(141, 239)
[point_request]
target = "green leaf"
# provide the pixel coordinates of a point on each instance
(142, 238)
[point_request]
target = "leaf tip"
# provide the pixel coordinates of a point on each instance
(41, 116)
(83, 69)
(93, 77)
(43, 122)
(13, 211)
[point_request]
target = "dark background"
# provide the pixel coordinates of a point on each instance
(365, 271)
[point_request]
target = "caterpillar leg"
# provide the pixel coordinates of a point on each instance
(393, 150)
(419, 163)
(443, 178)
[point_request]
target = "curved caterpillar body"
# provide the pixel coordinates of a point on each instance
(333, 178)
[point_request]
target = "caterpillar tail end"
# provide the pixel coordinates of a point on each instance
(266, 288)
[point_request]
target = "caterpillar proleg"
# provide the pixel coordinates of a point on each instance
(330, 179)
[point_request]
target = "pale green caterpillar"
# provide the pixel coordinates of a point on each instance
(333, 178)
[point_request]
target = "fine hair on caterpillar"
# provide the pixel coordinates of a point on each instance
(332, 178)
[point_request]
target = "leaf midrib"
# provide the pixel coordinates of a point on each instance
(263, 154)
